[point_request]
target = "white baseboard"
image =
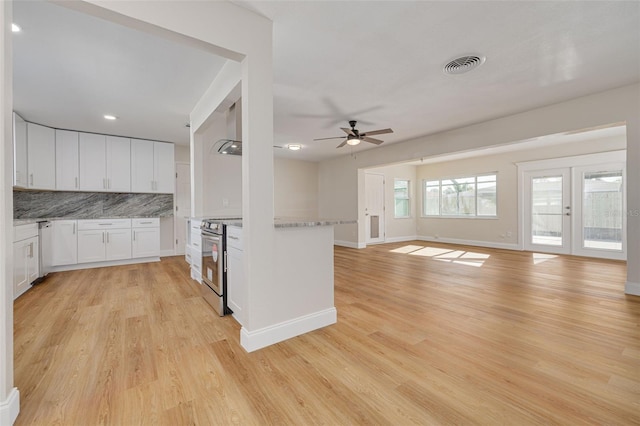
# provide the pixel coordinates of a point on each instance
(169, 252)
(258, 339)
(349, 244)
(488, 244)
(400, 239)
(103, 264)
(10, 408)
(632, 288)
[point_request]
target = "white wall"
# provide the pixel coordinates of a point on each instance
(488, 229)
(295, 182)
(341, 181)
(295, 188)
(182, 153)
(9, 397)
(222, 174)
(401, 229)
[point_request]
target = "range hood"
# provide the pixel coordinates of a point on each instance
(232, 144)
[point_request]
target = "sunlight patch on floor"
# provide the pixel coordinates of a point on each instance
(542, 257)
(459, 257)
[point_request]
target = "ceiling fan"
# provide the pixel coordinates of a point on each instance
(354, 137)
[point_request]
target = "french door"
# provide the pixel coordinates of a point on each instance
(576, 210)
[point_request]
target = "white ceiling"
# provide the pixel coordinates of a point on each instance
(376, 62)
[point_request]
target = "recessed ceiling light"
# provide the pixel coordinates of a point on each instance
(294, 147)
(15, 28)
(110, 117)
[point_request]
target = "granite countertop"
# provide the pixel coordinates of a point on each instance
(297, 222)
(18, 222)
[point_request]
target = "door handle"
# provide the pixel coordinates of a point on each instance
(567, 214)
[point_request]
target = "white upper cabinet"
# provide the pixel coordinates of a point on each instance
(152, 166)
(93, 162)
(105, 163)
(67, 161)
(163, 166)
(19, 151)
(118, 164)
(41, 157)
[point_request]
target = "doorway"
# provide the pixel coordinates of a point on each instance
(374, 208)
(577, 209)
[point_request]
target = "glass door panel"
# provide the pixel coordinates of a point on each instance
(602, 210)
(546, 210)
(548, 221)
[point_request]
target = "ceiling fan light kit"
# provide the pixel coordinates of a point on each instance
(354, 137)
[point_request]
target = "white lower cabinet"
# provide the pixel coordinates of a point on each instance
(236, 283)
(64, 242)
(145, 238)
(25, 258)
(102, 240)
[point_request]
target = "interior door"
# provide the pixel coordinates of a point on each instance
(183, 205)
(547, 219)
(374, 208)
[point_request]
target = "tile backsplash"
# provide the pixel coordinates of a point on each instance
(88, 205)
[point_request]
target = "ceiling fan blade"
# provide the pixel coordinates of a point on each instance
(372, 140)
(378, 132)
(324, 139)
(342, 144)
(348, 131)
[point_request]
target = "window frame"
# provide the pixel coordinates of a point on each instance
(475, 214)
(408, 198)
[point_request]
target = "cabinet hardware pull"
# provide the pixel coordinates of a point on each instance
(232, 237)
(31, 179)
(76, 182)
(144, 223)
(74, 228)
(107, 238)
(109, 183)
(105, 224)
(134, 235)
(103, 236)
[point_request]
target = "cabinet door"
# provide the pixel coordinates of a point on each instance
(236, 291)
(118, 164)
(146, 242)
(142, 160)
(21, 251)
(118, 244)
(64, 242)
(92, 162)
(41, 156)
(19, 151)
(91, 246)
(67, 160)
(33, 260)
(164, 168)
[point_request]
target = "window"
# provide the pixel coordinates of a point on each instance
(471, 196)
(401, 198)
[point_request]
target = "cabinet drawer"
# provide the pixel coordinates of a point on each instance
(22, 232)
(104, 224)
(153, 222)
(196, 241)
(234, 237)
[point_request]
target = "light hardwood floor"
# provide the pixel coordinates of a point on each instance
(426, 334)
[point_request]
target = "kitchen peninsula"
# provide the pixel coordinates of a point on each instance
(302, 298)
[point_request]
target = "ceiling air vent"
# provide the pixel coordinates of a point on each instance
(463, 64)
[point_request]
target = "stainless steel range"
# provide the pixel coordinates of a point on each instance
(214, 263)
